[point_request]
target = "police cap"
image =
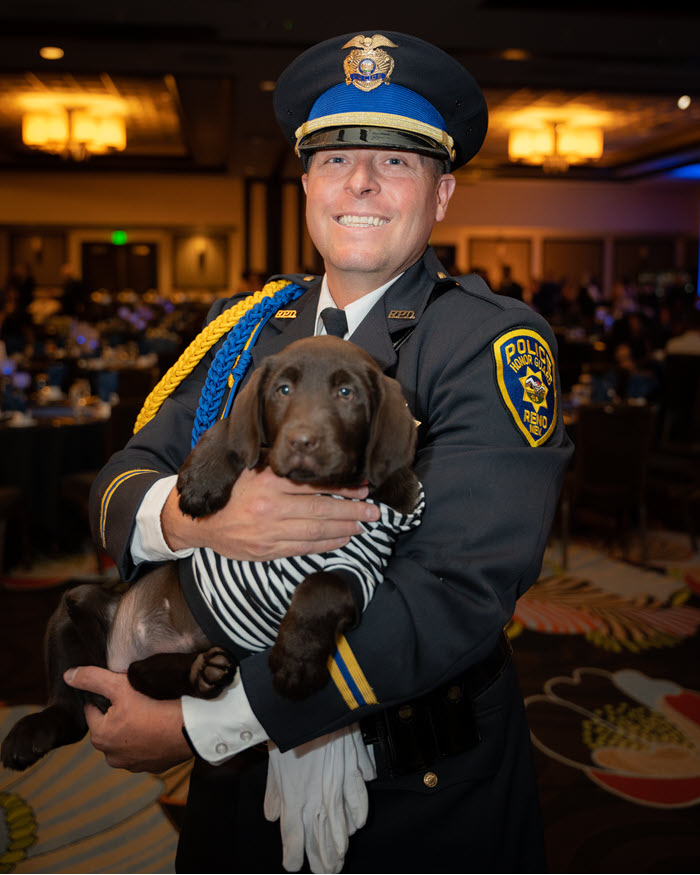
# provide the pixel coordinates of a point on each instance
(381, 90)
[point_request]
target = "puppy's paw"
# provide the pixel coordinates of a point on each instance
(208, 474)
(212, 671)
(197, 499)
(35, 735)
(299, 667)
(322, 607)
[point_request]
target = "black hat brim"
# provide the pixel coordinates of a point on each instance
(371, 138)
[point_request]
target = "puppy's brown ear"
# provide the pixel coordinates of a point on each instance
(230, 445)
(392, 439)
(245, 421)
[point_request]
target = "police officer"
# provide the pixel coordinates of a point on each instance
(379, 120)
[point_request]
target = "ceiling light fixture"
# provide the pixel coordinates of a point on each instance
(73, 132)
(555, 146)
(515, 55)
(51, 53)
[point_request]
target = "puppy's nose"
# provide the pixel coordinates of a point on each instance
(303, 440)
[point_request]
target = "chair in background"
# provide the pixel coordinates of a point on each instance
(674, 488)
(606, 487)
(680, 427)
(674, 474)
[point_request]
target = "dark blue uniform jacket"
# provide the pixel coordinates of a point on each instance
(452, 584)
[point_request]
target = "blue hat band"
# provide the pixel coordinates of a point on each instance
(388, 106)
(390, 99)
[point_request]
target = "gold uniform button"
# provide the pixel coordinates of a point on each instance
(454, 694)
(307, 279)
(430, 779)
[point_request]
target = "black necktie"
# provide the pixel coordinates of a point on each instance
(335, 321)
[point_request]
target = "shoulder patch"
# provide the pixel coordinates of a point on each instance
(525, 376)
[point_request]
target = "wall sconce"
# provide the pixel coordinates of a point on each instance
(73, 133)
(555, 146)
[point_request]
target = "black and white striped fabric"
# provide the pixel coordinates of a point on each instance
(247, 600)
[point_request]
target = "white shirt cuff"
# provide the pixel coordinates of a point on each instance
(222, 727)
(148, 543)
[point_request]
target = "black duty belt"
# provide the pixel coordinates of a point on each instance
(442, 723)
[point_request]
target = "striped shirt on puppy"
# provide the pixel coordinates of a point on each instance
(242, 603)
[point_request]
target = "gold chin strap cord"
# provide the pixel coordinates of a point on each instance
(196, 351)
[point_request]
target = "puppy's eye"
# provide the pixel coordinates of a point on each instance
(284, 389)
(345, 392)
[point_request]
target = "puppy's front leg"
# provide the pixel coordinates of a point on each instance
(171, 675)
(208, 474)
(322, 608)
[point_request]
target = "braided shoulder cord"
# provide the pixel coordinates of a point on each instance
(235, 354)
(196, 351)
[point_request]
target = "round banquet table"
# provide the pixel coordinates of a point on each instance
(34, 458)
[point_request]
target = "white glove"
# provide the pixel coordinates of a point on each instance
(318, 792)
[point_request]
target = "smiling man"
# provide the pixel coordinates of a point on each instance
(443, 771)
(370, 212)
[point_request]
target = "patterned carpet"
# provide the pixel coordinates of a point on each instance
(608, 654)
(70, 812)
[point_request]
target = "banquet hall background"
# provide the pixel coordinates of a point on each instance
(111, 255)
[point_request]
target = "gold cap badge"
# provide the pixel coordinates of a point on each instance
(368, 65)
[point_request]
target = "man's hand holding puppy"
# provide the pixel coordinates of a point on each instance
(268, 517)
(136, 733)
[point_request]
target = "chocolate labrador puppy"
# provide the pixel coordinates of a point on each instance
(319, 412)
